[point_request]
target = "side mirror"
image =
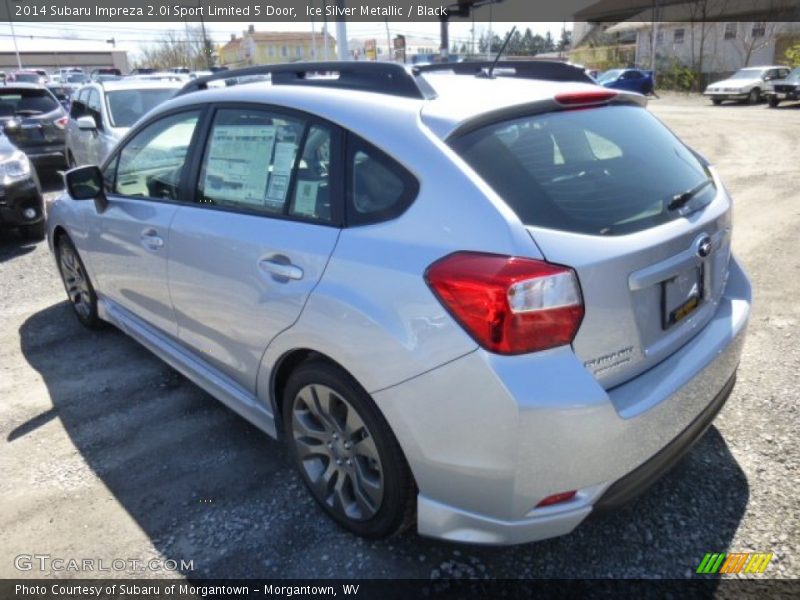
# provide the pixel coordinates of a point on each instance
(86, 183)
(86, 123)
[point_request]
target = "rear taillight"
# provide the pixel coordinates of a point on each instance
(509, 305)
(61, 123)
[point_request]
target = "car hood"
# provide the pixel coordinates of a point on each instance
(735, 82)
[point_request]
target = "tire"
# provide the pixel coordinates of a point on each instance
(77, 284)
(35, 232)
(716, 101)
(346, 453)
(754, 97)
(773, 101)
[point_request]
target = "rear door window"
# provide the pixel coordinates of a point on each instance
(603, 171)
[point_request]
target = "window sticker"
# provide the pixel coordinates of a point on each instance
(305, 201)
(276, 194)
(234, 156)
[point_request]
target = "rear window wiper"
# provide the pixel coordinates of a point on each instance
(29, 112)
(681, 199)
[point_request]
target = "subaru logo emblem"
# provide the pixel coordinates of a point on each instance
(704, 247)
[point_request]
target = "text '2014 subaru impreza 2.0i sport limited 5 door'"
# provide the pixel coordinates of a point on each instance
(485, 305)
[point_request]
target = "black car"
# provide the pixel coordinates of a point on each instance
(784, 89)
(35, 122)
(21, 201)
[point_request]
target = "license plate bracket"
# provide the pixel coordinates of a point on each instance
(681, 295)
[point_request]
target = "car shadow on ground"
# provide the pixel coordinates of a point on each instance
(206, 486)
(12, 245)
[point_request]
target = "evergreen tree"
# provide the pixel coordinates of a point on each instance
(527, 42)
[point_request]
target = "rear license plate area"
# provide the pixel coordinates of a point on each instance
(681, 296)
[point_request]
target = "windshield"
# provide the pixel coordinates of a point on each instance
(59, 92)
(795, 74)
(602, 171)
(27, 77)
(125, 107)
(609, 75)
(26, 102)
(747, 74)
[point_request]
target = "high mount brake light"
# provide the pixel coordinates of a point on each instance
(584, 98)
(509, 305)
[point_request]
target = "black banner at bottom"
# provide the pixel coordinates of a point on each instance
(388, 589)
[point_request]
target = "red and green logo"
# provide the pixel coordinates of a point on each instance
(741, 562)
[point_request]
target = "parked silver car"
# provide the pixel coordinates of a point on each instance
(745, 85)
(485, 305)
(102, 112)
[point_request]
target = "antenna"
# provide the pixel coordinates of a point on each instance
(500, 53)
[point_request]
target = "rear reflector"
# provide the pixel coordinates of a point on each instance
(583, 98)
(509, 305)
(557, 499)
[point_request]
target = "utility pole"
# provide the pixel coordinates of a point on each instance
(444, 46)
(489, 40)
(341, 33)
(13, 35)
(324, 30)
(206, 44)
(314, 54)
(389, 41)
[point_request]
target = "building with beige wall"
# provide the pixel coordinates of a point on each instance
(271, 47)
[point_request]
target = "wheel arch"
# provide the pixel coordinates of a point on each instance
(282, 370)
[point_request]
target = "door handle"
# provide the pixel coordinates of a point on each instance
(281, 269)
(151, 240)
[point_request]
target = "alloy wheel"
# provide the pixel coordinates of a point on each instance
(337, 453)
(76, 282)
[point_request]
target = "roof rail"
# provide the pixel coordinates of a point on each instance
(382, 77)
(551, 70)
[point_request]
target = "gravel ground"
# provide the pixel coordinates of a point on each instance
(108, 453)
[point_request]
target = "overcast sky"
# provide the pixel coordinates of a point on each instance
(132, 36)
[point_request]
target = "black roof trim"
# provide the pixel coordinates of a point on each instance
(381, 77)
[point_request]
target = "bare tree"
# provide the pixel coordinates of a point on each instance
(700, 13)
(755, 37)
(177, 49)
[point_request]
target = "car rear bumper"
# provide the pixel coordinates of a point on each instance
(500, 433)
(46, 155)
(15, 199)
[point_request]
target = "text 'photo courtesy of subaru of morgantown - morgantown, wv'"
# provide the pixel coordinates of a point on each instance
(483, 305)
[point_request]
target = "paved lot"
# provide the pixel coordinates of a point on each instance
(107, 453)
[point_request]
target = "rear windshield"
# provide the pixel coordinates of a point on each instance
(128, 106)
(603, 171)
(23, 102)
(27, 77)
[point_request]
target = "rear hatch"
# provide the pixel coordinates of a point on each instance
(31, 117)
(612, 193)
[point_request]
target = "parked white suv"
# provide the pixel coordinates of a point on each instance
(746, 85)
(101, 113)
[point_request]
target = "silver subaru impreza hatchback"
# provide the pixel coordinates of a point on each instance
(487, 300)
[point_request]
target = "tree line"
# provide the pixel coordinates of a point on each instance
(524, 44)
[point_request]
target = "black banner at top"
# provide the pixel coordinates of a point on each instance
(114, 11)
